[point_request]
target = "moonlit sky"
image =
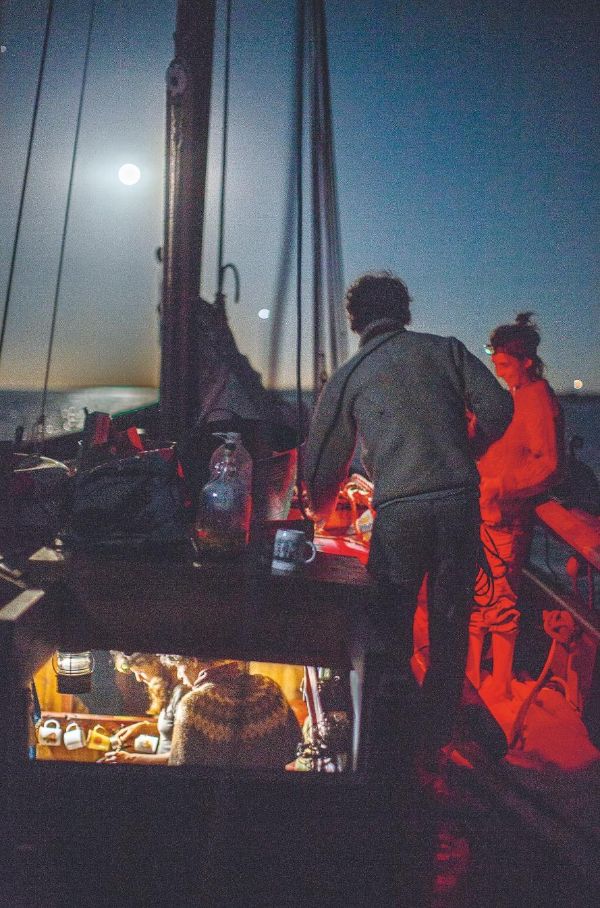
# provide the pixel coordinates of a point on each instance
(466, 135)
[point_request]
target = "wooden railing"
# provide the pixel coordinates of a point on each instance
(574, 655)
(580, 534)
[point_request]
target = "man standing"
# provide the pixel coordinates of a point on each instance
(404, 396)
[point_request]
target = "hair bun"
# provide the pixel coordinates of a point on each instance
(523, 319)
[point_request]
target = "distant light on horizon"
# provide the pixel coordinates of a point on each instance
(578, 384)
(264, 313)
(129, 174)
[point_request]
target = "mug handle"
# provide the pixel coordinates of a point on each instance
(313, 551)
(51, 723)
(71, 725)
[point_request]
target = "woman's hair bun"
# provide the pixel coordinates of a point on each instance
(523, 319)
(520, 339)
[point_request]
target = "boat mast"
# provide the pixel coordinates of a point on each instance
(189, 79)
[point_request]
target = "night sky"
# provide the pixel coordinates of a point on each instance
(466, 137)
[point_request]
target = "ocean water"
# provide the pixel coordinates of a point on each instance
(65, 413)
(65, 410)
(582, 417)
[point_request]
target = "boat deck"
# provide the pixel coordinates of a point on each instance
(132, 839)
(514, 834)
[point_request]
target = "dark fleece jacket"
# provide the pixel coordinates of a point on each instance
(232, 718)
(403, 395)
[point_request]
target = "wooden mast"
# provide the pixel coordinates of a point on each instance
(188, 107)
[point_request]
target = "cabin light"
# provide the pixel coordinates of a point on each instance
(578, 384)
(73, 672)
(264, 313)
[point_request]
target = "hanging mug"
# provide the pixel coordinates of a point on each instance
(49, 733)
(74, 736)
(98, 738)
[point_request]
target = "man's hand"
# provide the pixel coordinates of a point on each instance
(471, 424)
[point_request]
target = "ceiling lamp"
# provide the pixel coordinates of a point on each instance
(73, 672)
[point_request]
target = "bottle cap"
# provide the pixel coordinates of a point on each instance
(231, 438)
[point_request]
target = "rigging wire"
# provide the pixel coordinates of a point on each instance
(317, 214)
(25, 181)
(326, 245)
(284, 269)
(221, 268)
(299, 226)
(338, 328)
(63, 241)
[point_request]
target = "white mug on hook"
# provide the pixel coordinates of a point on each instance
(49, 733)
(291, 551)
(74, 736)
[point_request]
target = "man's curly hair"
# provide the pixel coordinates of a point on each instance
(377, 295)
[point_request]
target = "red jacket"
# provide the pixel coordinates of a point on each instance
(527, 459)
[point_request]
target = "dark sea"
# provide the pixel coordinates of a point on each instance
(65, 410)
(65, 413)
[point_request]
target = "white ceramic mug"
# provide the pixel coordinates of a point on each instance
(74, 736)
(49, 733)
(145, 744)
(291, 551)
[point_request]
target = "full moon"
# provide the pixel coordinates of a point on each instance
(129, 174)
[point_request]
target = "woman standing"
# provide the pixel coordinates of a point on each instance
(514, 471)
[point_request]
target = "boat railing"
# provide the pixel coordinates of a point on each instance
(577, 535)
(562, 579)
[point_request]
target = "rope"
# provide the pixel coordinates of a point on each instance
(36, 105)
(518, 725)
(42, 417)
(484, 590)
(221, 269)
